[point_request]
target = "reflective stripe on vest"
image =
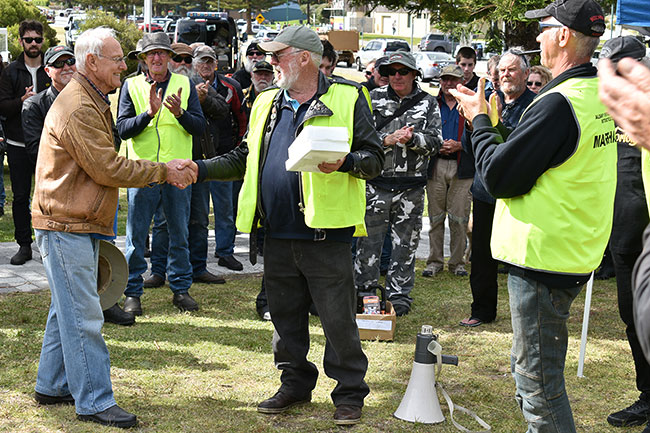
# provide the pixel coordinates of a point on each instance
(164, 138)
(563, 223)
(334, 200)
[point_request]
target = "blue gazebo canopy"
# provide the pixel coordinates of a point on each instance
(288, 11)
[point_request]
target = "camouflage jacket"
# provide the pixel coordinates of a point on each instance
(410, 159)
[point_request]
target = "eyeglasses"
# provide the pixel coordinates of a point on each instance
(368, 73)
(159, 53)
(403, 72)
(61, 63)
(534, 83)
(256, 54)
(544, 26)
(113, 59)
(277, 57)
(29, 40)
(180, 59)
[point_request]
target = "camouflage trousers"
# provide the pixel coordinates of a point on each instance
(402, 212)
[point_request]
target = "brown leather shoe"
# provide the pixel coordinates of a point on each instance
(208, 278)
(347, 414)
(280, 402)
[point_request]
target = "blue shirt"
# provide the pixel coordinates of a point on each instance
(280, 189)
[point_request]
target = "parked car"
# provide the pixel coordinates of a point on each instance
(170, 29)
(215, 29)
(437, 42)
(73, 29)
(377, 48)
(430, 63)
(266, 35)
(153, 27)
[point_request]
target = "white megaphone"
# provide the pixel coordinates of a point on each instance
(420, 402)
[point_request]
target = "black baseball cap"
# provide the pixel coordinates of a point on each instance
(252, 47)
(585, 16)
(262, 66)
(53, 53)
(623, 46)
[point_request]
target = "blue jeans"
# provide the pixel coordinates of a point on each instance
(74, 358)
(143, 202)
(539, 345)
(224, 223)
(198, 233)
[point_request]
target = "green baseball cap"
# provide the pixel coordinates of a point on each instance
(300, 37)
(452, 71)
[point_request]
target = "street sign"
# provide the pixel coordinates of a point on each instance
(260, 18)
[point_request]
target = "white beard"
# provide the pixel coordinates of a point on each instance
(289, 77)
(248, 65)
(182, 69)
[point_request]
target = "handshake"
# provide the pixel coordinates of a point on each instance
(182, 172)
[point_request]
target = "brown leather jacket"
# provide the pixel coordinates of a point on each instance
(78, 171)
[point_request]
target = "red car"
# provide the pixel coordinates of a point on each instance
(153, 29)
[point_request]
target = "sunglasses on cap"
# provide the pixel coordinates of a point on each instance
(61, 63)
(29, 40)
(180, 59)
(403, 72)
(534, 83)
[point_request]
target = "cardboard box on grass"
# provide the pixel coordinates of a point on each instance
(316, 144)
(377, 326)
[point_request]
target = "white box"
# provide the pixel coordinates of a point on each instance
(317, 144)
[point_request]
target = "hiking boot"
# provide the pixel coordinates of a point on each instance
(23, 255)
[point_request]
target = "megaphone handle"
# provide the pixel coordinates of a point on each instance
(471, 413)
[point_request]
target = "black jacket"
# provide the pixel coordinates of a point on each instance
(364, 161)
(13, 81)
(215, 109)
(34, 111)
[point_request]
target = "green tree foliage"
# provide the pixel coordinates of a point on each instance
(12, 12)
(470, 16)
(253, 8)
(128, 33)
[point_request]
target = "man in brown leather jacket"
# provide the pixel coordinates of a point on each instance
(75, 203)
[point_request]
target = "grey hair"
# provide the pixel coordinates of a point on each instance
(91, 42)
(316, 58)
(585, 45)
(519, 53)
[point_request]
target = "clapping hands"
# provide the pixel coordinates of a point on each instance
(182, 172)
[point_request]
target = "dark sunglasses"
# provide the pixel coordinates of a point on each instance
(368, 73)
(542, 26)
(30, 40)
(535, 83)
(255, 53)
(61, 63)
(403, 72)
(180, 59)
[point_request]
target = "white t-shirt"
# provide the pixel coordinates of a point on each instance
(32, 70)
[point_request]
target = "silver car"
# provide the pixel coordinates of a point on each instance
(430, 63)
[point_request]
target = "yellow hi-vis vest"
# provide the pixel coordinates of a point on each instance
(164, 139)
(563, 223)
(334, 200)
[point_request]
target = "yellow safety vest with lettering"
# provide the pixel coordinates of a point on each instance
(563, 223)
(164, 139)
(334, 200)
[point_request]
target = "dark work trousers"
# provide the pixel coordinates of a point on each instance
(295, 273)
(483, 276)
(623, 264)
(21, 170)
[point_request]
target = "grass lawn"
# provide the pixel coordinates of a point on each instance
(205, 372)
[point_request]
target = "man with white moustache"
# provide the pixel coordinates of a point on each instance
(253, 55)
(262, 77)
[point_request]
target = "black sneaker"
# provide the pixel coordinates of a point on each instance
(636, 414)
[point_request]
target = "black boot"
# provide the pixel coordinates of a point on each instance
(118, 316)
(24, 254)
